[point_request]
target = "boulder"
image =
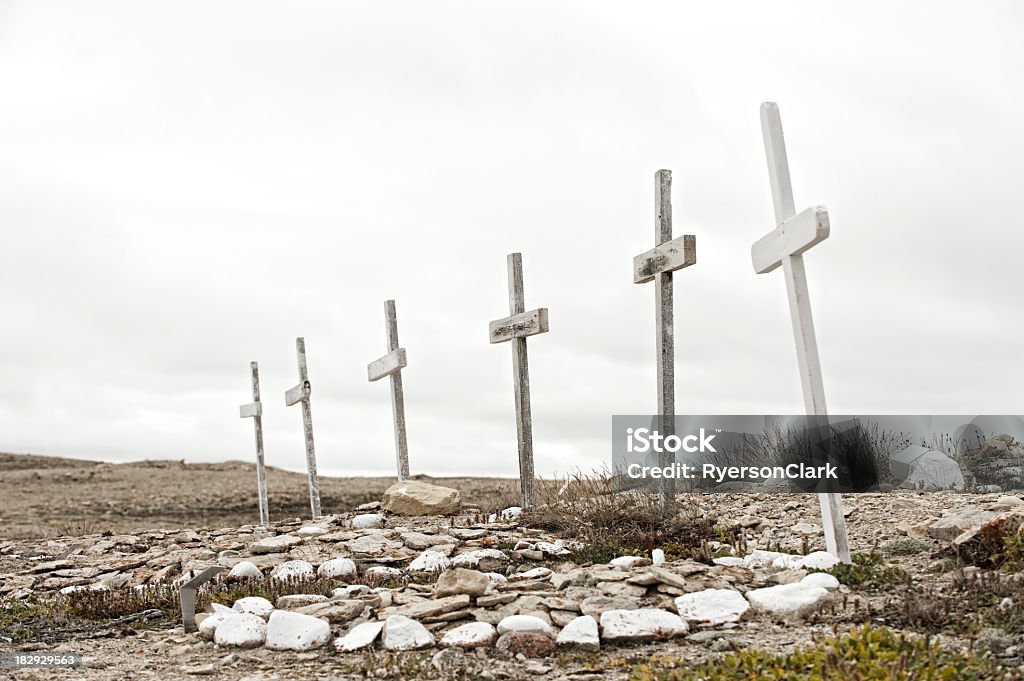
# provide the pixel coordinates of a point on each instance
(462, 581)
(983, 546)
(334, 611)
(525, 643)
(293, 569)
(240, 630)
(366, 521)
(403, 633)
(581, 633)
(712, 606)
(952, 525)
(935, 470)
(361, 636)
(822, 579)
(288, 630)
(343, 568)
(245, 570)
(255, 605)
(280, 543)
(429, 561)
(412, 497)
(524, 623)
(294, 601)
(645, 624)
(208, 627)
(788, 601)
(472, 635)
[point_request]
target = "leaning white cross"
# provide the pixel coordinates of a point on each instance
(658, 264)
(794, 235)
(254, 410)
(391, 365)
(300, 393)
(516, 328)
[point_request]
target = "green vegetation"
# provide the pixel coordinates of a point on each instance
(864, 654)
(869, 573)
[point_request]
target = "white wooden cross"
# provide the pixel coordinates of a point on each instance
(391, 365)
(658, 264)
(300, 393)
(516, 328)
(254, 410)
(793, 236)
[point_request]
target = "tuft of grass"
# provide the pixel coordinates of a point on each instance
(869, 573)
(607, 524)
(971, 603)
(866, 654)
(903, 547)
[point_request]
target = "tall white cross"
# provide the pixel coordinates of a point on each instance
(391, 365)
(254, 410)
(516, 328)
(658, 264)
(300, 394)
(793, 236)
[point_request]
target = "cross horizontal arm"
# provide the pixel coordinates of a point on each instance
(250, 410)
(519, 325)
(792, 237)
(297, 394)
(667, 257)
(386, 365)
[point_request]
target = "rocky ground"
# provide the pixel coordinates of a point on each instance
(432, 584)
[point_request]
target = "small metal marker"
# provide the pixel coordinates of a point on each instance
(188, 595)
(391, 365)
(254, 410)
(516, 328)
(300, 393)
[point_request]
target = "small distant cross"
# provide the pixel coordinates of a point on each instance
(300, 394)
(391, 365)
(516, 328)
(254, 410)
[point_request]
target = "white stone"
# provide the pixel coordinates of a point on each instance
(818, 560)
(657, 556)
(221, 608)
(255, 605)
(496, 578)
(580, 633)
(430, 561)
(383, 572)
(245, 570)
(361, 636)
(293, 569)
(311, 531)
(729, 561)
(337, 567)
(644, 624)
(350, 591)
(368, 521)
(628, 561)
(788, 600)
(281, 542)
(287, 630)
(208, 626)
(935, 470)
(763, 559)
(472, 559)
(535, 573)
(524, 623)
(402, 633)
(712, 606)
(240, 630)
(822, 579)
(511, 513)
(472, 635)
(552, 549)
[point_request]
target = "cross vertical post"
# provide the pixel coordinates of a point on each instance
(794, 235)
(516, 328)
(658, 265)
(301, 393)
(391, 365)
(254, 410)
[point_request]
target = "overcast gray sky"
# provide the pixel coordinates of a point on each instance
(188, 186)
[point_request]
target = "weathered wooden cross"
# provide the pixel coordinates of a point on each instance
(391, 365)
(658, 264)
(254, 410)
(785, 246)
(516, 328)
(300, 393)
